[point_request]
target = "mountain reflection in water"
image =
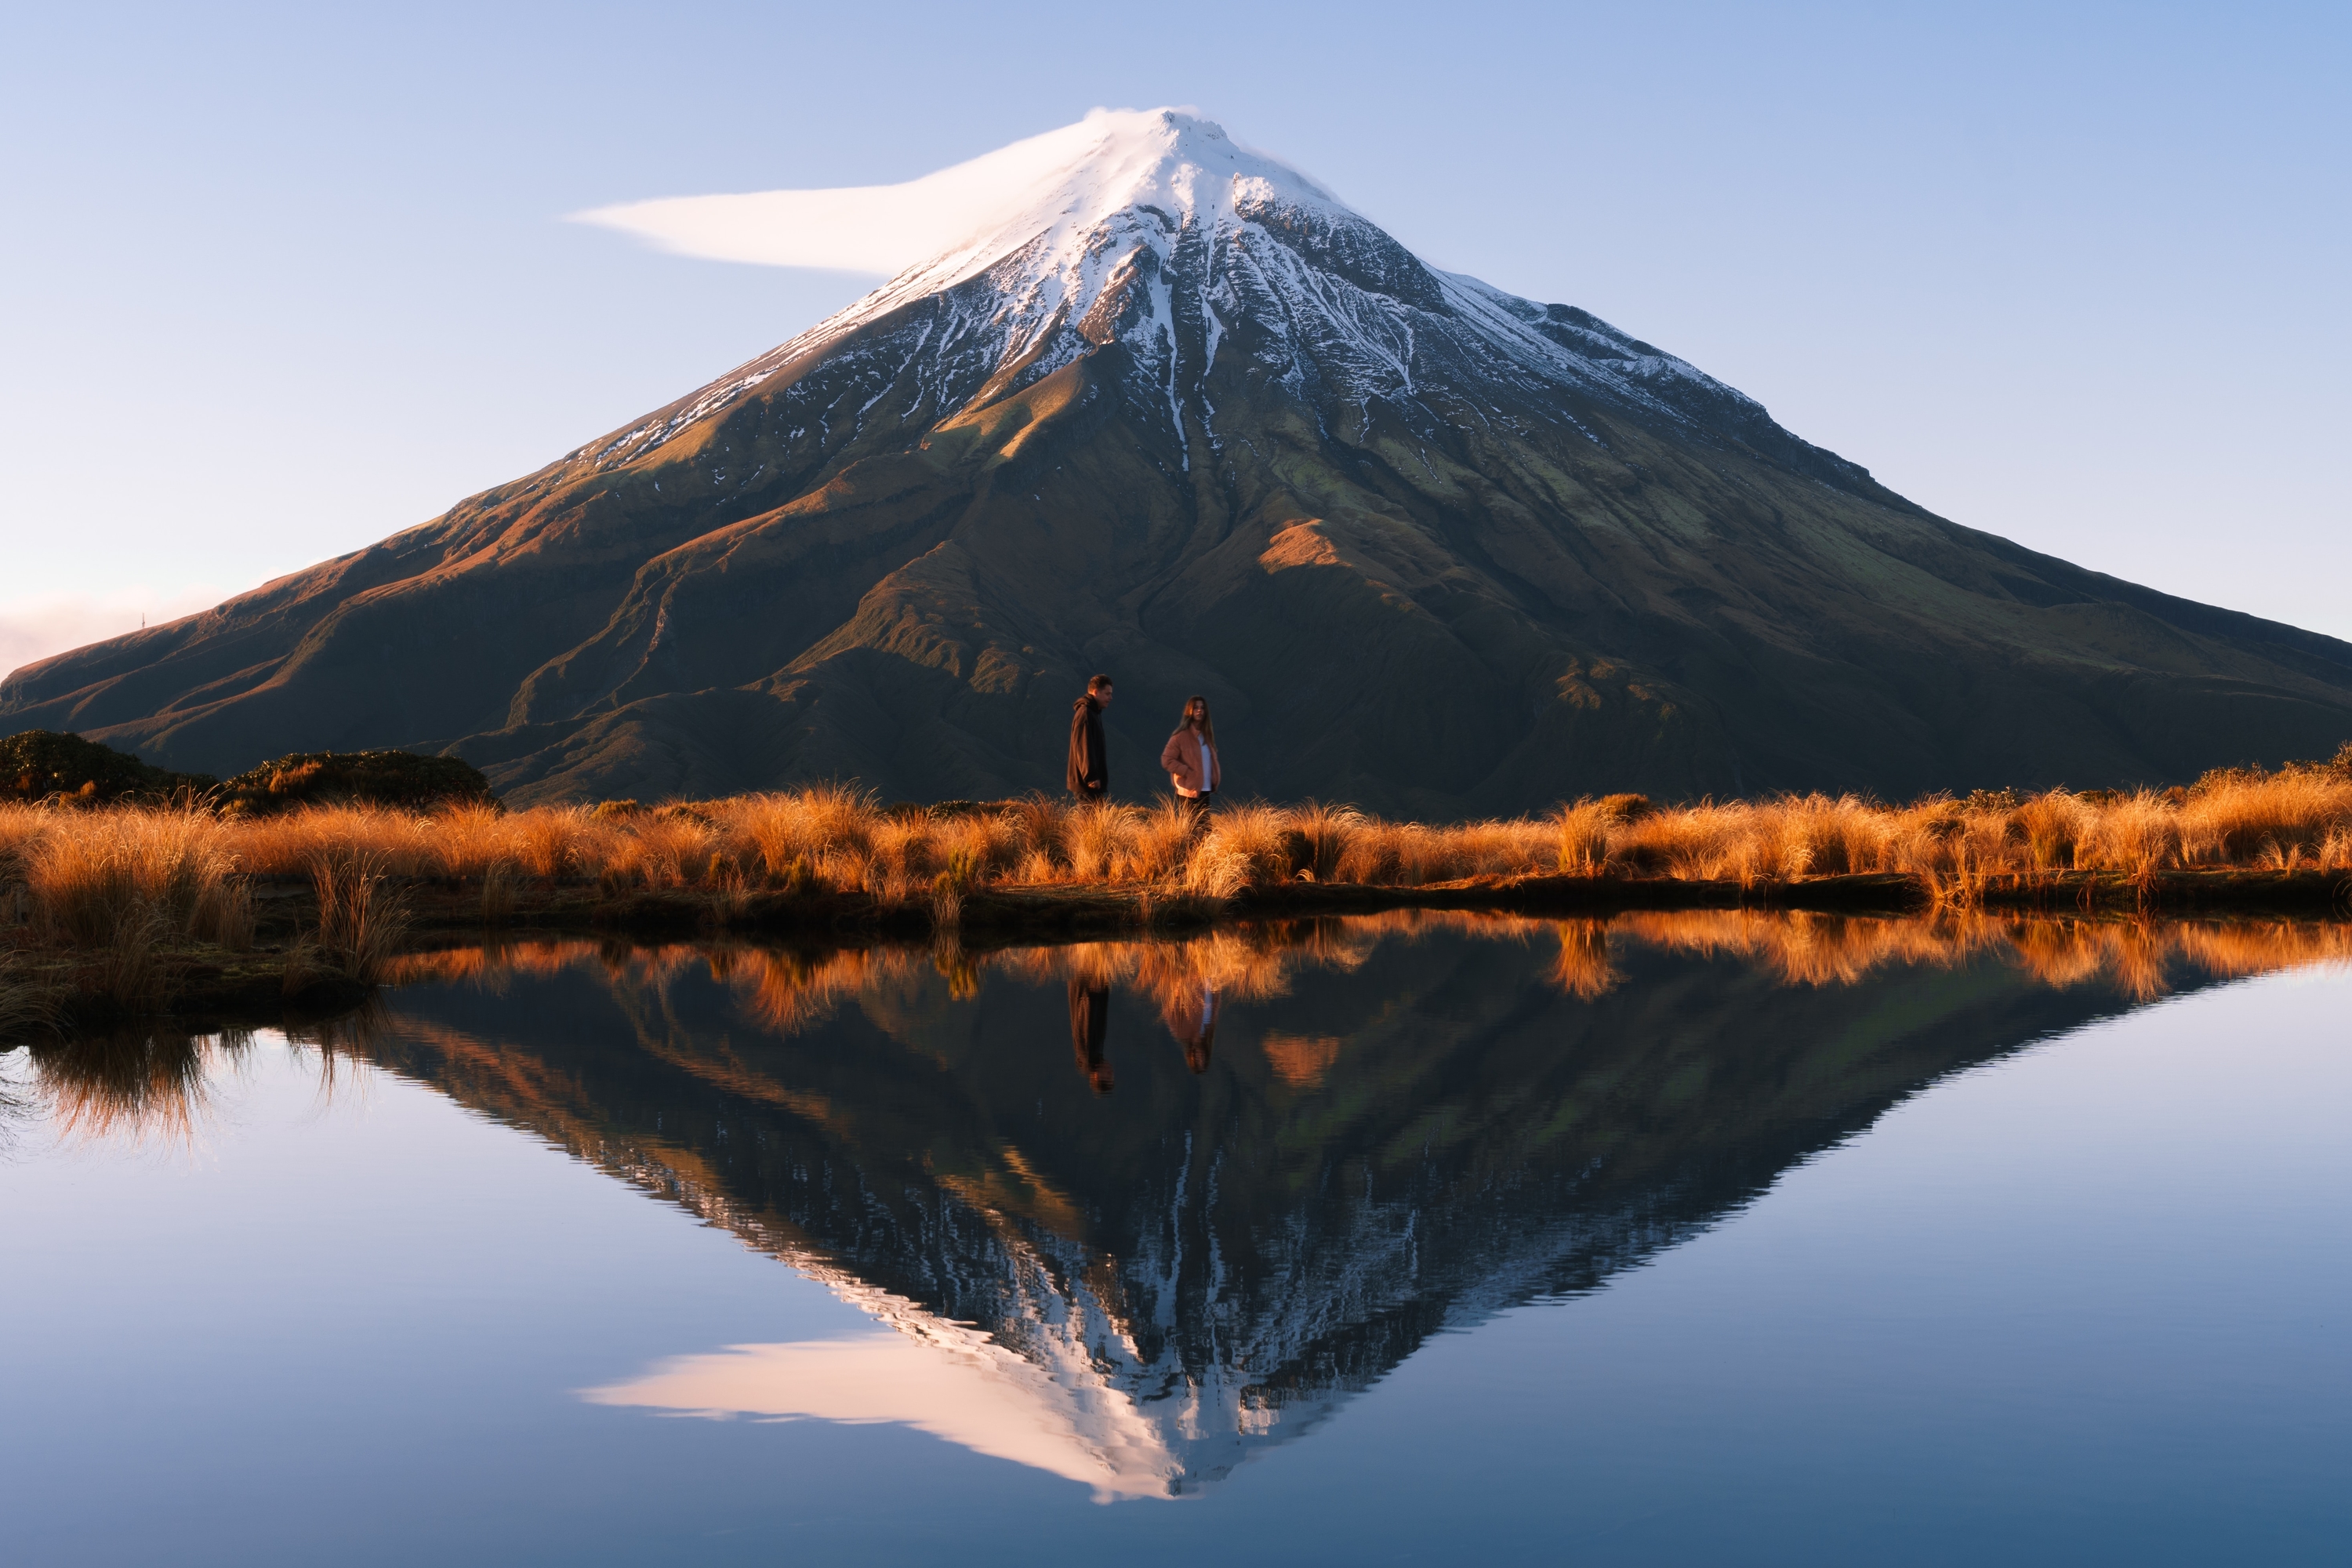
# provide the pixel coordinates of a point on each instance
(1282, 1158)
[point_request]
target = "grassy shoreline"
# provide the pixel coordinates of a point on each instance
(132, 910)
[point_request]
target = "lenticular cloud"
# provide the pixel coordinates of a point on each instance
(855, 228)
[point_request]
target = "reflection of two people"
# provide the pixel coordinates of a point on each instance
(1191, 1018)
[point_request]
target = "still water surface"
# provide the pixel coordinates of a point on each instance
(1694, 1239)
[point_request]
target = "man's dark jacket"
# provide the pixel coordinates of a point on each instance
(1089, 767)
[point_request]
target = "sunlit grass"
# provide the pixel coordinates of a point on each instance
(116, 883)
(84, 868)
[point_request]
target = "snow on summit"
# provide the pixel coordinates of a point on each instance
(1154, 231)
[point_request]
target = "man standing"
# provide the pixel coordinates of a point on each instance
(1089, 774)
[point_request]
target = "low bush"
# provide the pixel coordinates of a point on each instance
(46, 765)
(401, 780)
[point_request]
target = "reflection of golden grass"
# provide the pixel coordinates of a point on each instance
(1802, 949)
(132, 1084)
(787, 991)
(1300, 1060)
(2236, 948)
(2135, 956)
(1245, 963)
(1585, 970)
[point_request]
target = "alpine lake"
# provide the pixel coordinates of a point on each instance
(1689, 1238)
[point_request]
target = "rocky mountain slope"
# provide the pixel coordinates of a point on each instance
(1182, 416)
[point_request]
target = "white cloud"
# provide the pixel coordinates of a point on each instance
(857, 228)
(32, 629)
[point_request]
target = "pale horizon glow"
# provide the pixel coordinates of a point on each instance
(45, 625)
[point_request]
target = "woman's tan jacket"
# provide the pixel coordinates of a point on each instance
(1180, 759)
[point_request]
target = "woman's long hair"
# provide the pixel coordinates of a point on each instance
(1208, 725)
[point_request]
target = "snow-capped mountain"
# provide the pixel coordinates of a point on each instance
(1165, 238)
(1164, 406)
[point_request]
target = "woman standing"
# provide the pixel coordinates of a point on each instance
(1190, 757)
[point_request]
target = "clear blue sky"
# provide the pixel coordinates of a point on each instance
(278, 281)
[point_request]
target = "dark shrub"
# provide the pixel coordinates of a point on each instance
(357, 778)
(1626, 807)
(36, 764)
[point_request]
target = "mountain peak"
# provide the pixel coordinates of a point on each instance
(1136, 398)
(1059, 200)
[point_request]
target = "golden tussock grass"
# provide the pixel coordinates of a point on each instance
(98, 879)
(362, 926)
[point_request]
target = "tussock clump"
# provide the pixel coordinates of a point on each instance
(91, 874)
(2272, 816)
(291, 844)
(1324, 831)
(2053, 827)
(1243, 846)
(801, 828)
(1161, 844)
(561, 843)
(1096, 837)
(1037, 823)
(666, 849)
(1370, 855)
(1583, 834)
(472, 841)
(972, 851)
(361, 922)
